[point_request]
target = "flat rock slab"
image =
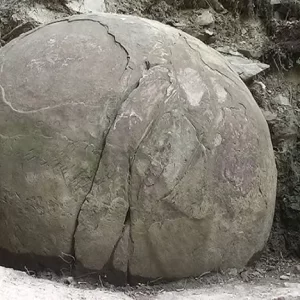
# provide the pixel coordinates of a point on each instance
(18, 285)
(245, 67)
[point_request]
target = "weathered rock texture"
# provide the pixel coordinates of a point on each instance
(133, 147)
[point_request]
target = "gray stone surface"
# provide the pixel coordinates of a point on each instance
(19, 286)
(87, 6)
(130, 144)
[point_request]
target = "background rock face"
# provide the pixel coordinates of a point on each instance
(133, 147)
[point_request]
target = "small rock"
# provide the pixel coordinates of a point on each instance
(245, 276)
(232, 272)
(282, 100)
(205, 19)
(275, 2)
(246, 68)
(284, 277)
(250, 53)
(69, 280)
(256, 274)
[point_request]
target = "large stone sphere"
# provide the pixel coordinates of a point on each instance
(131, 147)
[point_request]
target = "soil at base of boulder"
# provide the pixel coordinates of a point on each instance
(269, 279)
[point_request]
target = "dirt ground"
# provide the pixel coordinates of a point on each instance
(20, 286)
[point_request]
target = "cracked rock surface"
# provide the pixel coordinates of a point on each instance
(132, 147)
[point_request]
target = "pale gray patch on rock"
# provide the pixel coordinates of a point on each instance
(193, 85)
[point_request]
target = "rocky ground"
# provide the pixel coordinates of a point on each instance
(267, 34)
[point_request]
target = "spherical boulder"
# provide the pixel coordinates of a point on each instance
(130, 148)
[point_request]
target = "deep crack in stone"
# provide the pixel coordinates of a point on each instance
(126, 96)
